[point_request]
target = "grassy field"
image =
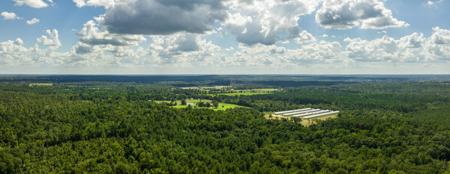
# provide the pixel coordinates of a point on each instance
(225, 106)
(247, 92)
(193, 103)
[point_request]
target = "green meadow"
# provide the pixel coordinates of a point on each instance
(246, 92)
(194, 104)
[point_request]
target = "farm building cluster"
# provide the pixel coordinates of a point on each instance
(306, 116)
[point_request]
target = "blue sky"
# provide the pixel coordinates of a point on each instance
(62, 15)
(233, 36)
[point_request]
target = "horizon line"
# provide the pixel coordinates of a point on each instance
(218, 74)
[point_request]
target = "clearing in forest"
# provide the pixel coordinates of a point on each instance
(199, 103)
(246, 92)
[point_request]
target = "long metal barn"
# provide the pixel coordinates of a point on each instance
(306, 116)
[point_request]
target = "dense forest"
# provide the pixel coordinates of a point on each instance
(389, 126)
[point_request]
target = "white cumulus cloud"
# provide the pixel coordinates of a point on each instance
(365, 14)
(95, 3)
(410, 48)
(33, 21)
(15, 53)
(9, 15)
(184, 48)
(266, 21)
(33, 3)
(51, 40)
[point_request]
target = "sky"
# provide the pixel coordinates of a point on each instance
(224, 37)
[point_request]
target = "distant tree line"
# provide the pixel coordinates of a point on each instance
(108, 128)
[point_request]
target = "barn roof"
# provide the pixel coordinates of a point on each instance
(305, 113)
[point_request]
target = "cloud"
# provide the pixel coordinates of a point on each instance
(413, 48)
(184, 48)
(95, 3)
(11, 51)
(305, 37)
(175, 44)
(251, 22)
(33, 3)
(187, 43)
(9, 15)
(10, 45)
(410, 48)
(81, 48)
(33, 21)
(163, 17)
(414, 40)
(15, 53)
(345, 14)
(320, 52)
(94, 36)
(432, 2)
(51, 40)
(440, 36)
(379, 50)
(98, 48)
(266, 21)
(439, 44)
(100, 55)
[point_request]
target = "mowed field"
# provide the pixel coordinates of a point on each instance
(193, 103)
(247, 92)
